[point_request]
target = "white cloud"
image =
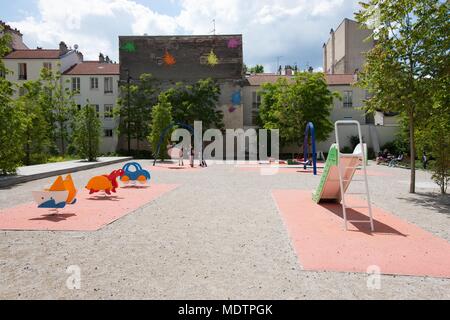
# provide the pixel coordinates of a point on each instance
(293, 29)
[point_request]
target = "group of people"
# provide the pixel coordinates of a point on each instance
(391, 160)
(191, 157)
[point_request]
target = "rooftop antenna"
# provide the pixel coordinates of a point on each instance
(214, 27)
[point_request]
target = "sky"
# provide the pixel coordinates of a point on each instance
(291, 30)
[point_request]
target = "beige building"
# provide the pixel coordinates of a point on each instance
(16, 36)
(343, 53)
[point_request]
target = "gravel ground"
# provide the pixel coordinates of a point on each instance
(218, 236)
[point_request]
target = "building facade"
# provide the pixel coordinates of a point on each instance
(343, 53)
(27, 64)
(187, 59)
(97, 83)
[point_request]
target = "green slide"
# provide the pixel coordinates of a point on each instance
(329, 187)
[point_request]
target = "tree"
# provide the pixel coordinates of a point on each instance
(433, 137)
(36, 139)
(290, 105)
(161, 119)
(411, 48)
(257, 69)
(196, 102)
(59, 106)
(11, 124)
(135, 105)
(87, 129)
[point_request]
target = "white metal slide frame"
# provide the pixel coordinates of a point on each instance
(361, 154)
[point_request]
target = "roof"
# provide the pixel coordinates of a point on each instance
(332, 79)
(340, 79)
(34, 54)
(94, 67)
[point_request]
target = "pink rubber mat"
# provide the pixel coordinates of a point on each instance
(174, 167)
(89, 213)
(322, 244)
(297, 170)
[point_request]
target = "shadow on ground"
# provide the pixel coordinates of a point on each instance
(438, 202)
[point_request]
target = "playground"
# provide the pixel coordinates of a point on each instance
(223, 232)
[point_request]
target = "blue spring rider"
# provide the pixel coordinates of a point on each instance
(135, 174)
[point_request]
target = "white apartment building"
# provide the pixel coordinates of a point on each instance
(97, 83)
(94, 81)
(27, 64)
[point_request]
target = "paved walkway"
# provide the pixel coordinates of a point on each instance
(40, 171)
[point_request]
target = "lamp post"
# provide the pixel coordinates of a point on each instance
(128, 110)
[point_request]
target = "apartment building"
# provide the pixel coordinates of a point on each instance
(97, 83)
(343, 53)
(26, 64)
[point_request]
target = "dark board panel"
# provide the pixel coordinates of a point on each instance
(182, 58)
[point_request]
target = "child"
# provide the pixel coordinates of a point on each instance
(181, 157)
(191, 157)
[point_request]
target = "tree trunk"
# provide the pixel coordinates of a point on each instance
(412, 146)
(61, 132)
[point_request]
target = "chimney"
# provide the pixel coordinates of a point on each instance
(333, 50)
(80, 56)
(63, 48)
(288, 71)
(101, 58)
(325, 67)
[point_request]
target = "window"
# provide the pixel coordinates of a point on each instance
(348, 99)
(2, 73)
(79, 107)
(76, 85)
(108, 110)
(22, 71)
(108, 133)
(94, 83)
(48, 65)
(109, 85)
(97, 110)
(256, 100)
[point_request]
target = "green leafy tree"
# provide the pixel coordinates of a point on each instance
(257, 69)
(161, 119)
(196, 102)
(86, 135)
(433, 137)
(290, 105)
(36, 139)
(11, 118)
(58, 102)
(410, 51)
(134, 107)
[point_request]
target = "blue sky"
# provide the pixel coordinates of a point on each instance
(292, 29)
